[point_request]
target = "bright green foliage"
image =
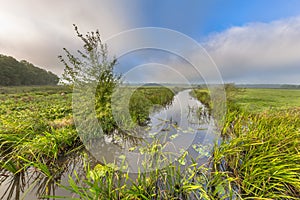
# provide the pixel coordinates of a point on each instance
(37, 129)
(35, 126)
(257, 159)
(144, 100)
(203, 96)
(261, 151)
(181, 181)
(257, 100)
(93, 68)
(259, 155)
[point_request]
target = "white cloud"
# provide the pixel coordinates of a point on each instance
(253, 53)
(38, 30)
(272, 49)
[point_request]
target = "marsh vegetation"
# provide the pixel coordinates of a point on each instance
(256, 155)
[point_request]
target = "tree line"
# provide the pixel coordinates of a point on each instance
(14, 73)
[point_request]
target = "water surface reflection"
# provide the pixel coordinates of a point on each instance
(183, 125)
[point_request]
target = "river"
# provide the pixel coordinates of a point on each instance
(183, 125)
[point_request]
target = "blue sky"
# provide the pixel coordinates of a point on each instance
(250, 41)
(198, 18)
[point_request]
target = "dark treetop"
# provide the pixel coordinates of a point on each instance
(13, 73)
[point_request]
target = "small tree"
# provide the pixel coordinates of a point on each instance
(95, 67)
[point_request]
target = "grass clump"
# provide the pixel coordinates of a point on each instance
(203, 96)
(176, 181)
(262, 152)
(35, 127)
(257, 158)
(144, 100)
(259, 154)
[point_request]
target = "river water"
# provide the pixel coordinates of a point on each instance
(186, 125)
(183, 125)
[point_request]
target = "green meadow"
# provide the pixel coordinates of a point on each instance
(263, 99)
(257, 156)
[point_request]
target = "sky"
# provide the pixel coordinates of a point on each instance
(254, 41)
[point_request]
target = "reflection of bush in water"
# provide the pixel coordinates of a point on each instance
(144, 99)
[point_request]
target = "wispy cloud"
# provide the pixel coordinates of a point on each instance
(38, 30)
(253, 53)
(261, 52)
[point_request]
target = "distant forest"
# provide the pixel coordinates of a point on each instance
(13, 73)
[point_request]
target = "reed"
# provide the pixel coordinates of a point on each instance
(257, 158)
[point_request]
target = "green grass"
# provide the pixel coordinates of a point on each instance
(203, 96)
(33, 89)
(144, 99)
(258, 157)
(257, 100)
(261, 152)
(40, 118)
(37, 128)
(35, 125)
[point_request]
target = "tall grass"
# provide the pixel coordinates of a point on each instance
(262, 152)
(144, 100)
(176, 181)
(259, 155)
(257, 158)
(36, 130)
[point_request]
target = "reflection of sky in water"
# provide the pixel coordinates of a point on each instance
(182, 113)
(179, 128)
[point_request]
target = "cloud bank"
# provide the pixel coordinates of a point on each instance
(253, 53)
(258, 52)
(38, 30)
